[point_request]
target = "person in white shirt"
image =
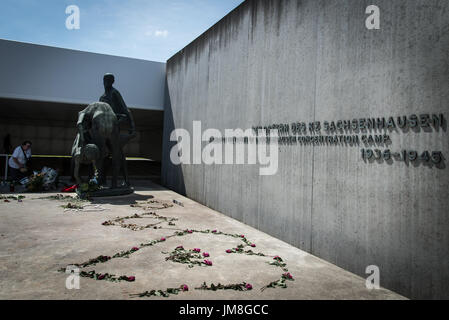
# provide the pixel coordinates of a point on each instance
(18, 161)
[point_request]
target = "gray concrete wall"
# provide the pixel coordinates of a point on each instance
(282, 61)
(43, 73)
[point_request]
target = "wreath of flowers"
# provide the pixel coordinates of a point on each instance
(120, 221)
(150, 204)
(191, 257)
(12, 197)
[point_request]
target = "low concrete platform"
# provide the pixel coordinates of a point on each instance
(38, 237)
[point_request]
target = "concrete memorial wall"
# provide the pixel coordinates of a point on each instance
(362, 112)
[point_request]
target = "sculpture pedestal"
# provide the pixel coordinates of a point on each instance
(105, 192)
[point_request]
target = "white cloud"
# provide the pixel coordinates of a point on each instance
(161, 33)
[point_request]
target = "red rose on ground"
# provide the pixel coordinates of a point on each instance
(162, 239)
(229, 251)
(131, 278)
(214, 231)
(100, 276)
(248, 286)
(134, 248)
(197, 249)
(253, 245)
(184, 287)
(205, 254)
(208, 262)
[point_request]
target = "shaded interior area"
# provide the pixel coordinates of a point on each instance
(51, 127)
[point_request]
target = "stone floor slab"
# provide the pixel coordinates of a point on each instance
(38, 237)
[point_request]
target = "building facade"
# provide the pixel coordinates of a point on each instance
(43, 88)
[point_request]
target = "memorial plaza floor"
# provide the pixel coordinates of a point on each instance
(39, 238)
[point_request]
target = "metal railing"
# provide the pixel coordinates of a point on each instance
(55, 156)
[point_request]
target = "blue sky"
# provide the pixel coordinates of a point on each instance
(143, 29)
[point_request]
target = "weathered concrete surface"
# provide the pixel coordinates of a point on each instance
(284, 61)
(38, 238)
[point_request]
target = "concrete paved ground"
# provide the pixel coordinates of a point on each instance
(38, 237)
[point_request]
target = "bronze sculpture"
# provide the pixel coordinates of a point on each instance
(99, 134)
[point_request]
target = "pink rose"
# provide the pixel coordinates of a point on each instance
(184, 287)
(229, 251)
(189, 231)
(248, 286)
(205, 254)
(197, 249)
(287, 275)
(162, 239)
(208, 262)
(253, 245)
(131, 278)
(134, 248)
(242, 236)
(214, 231)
